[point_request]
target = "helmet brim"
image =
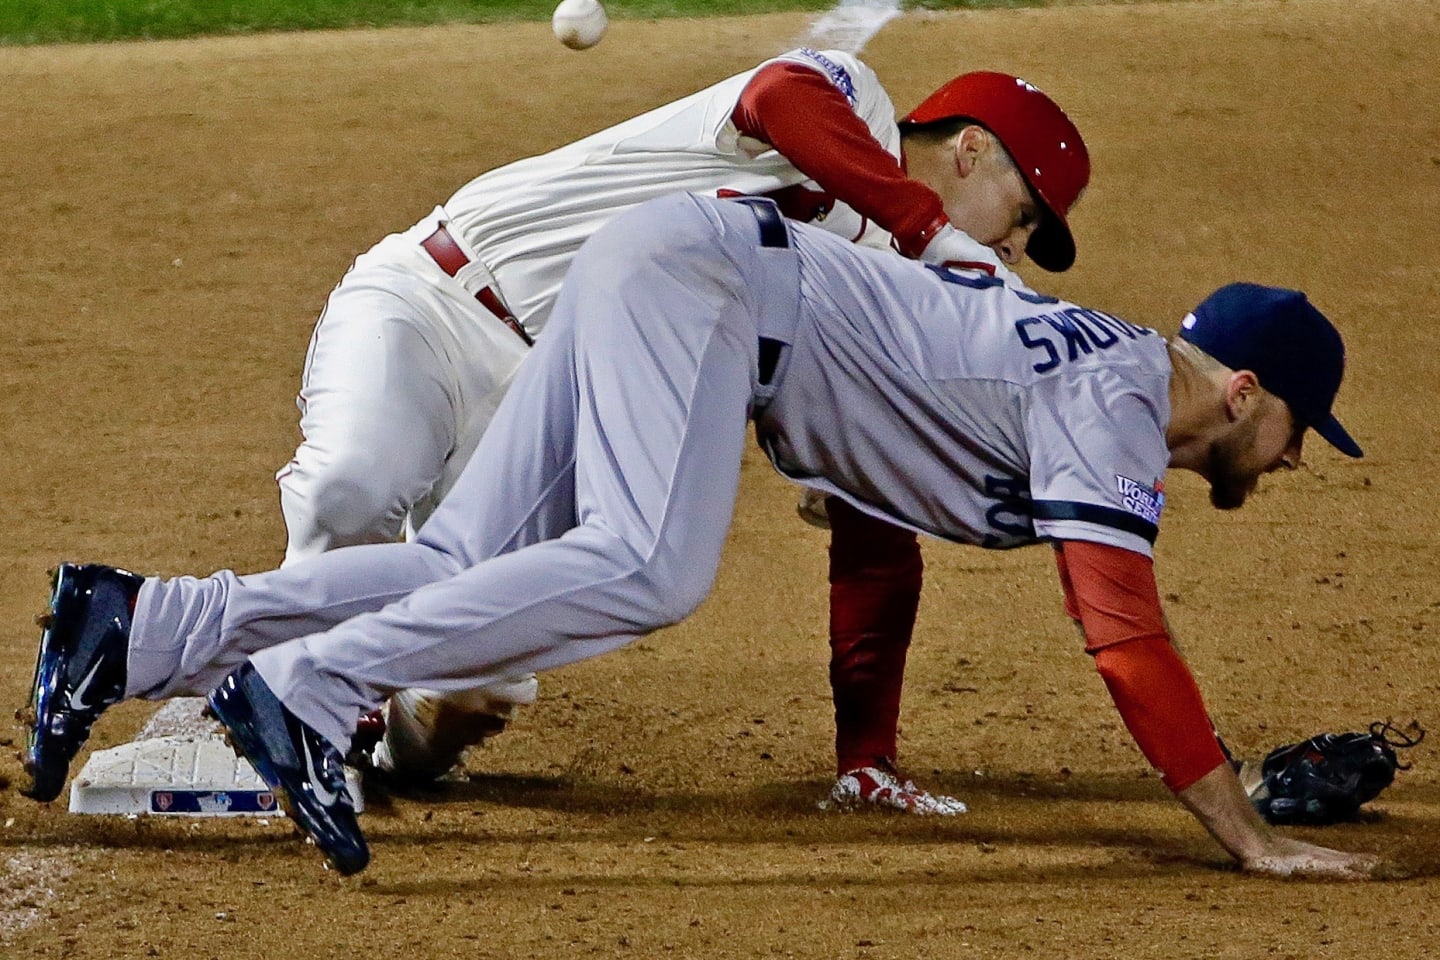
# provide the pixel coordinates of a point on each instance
(1051, 246)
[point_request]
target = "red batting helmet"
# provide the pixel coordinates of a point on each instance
(1045, 144)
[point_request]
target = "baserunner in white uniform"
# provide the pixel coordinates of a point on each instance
(597, 504)
(419, 341)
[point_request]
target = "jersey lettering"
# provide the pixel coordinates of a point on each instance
(975, 281)
(985, 281)
(1123, 327)
(1063, 323)
(1030, 296)
(1100, 336)
(1010, 514)
(1037, 343)
(1081, 332)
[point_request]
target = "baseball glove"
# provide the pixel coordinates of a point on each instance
(1325, 779)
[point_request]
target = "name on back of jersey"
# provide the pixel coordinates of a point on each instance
(1060, 335)
(1065, 335)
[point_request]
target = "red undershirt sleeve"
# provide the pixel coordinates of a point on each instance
(805, 117)
(1112, 593)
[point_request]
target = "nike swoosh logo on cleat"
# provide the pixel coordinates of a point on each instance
(322, 793)
(77, 699)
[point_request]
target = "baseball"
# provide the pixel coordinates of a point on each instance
(579, 24)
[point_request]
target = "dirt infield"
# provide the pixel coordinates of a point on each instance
(176, 213)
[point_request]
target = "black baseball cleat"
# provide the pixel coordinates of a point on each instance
(305, 771)
(79, 671)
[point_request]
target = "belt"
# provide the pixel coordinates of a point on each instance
(773, 233)
(449, 257)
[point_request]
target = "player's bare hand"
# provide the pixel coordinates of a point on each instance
(1285, 857)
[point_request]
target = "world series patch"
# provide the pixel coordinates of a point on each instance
(838, 74)
(1142, 499)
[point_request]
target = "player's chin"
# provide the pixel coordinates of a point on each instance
(1230, 493)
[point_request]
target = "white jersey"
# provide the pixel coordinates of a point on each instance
(411, 358)
(1001, 417)
(525, 221)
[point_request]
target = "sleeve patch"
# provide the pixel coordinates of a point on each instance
(838, 75)
(1144, 500)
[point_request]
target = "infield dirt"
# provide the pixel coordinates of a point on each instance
(177, 213)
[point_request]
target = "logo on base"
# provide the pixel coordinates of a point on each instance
(213, 802)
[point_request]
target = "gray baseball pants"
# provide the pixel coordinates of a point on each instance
(594, 510)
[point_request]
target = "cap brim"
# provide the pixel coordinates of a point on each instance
(1336, 436)
(1051, 246)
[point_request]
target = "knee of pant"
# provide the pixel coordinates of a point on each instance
(350, 496)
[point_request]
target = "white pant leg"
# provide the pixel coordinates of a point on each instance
(652, 390)
(404, 371)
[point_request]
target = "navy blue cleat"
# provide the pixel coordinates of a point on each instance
(305, 771)
(80, 670)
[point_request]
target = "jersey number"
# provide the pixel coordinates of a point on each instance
(982, 281)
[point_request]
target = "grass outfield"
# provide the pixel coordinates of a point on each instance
(72, 21)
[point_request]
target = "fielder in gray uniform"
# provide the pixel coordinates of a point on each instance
(943, 401)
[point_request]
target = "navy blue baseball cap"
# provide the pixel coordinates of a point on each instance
(1279, 336)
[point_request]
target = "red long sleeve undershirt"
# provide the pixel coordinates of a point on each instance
(799, 112)
(1112, 593)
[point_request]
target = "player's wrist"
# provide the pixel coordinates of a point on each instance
(917, 245)
(1219, 803)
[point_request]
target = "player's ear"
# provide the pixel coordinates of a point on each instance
(1242, 393)
(970, 145)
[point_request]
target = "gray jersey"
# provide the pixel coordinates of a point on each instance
(596, 507)
(955, 406)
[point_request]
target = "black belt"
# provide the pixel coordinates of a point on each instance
(770, 350)
(773, 233)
